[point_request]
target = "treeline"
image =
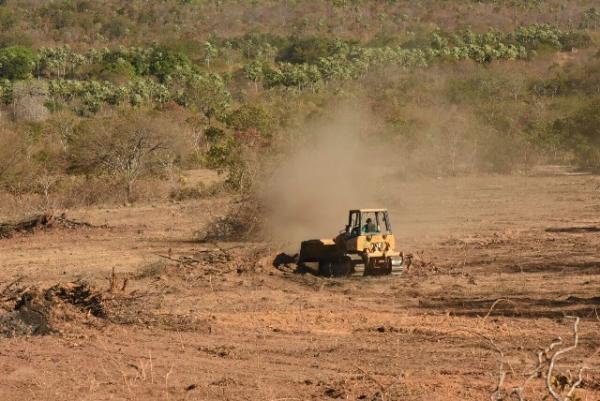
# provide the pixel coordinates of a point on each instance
(158, 74)
(92, 124)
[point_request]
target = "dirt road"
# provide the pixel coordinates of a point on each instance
(500, 265)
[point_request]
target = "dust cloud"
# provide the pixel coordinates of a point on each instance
(310, 193)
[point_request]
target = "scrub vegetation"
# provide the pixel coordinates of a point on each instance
(106, 95)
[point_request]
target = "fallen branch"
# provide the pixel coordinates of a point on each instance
(557, 388)
(9, 285)
(384, 389)
(555, 357)
(184, 260)
(496, 302)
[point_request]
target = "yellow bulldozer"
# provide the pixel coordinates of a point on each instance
(366, 247)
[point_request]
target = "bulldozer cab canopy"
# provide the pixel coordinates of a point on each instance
(368, 221)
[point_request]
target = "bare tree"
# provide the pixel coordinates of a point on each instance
(126, 148)
(28, 101)
(45, 182)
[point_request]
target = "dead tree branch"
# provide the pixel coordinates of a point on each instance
(558, 387)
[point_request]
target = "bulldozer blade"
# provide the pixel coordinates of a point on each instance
(397, 266)
(397, 270)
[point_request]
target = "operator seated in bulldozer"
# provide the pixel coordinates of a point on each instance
(370, 227)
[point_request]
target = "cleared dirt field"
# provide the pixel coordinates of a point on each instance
(499, 265)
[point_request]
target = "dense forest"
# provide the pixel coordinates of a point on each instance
(110, 101)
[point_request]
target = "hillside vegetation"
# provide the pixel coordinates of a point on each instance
(103, 101)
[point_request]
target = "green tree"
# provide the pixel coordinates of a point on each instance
(581, 133)
(210, 52)
(590, 19)
(238, 158)
(248, 117)
(308, 50)
(17, 62)
(208, 94)
(164, 63)
(254, 72)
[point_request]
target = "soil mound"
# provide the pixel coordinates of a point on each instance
(42, 312)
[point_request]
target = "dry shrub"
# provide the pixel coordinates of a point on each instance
(73, 191)
(197, 191)
(78, 190)
(12, 152)
(151, 270)
(243, 222)
(64, 192)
